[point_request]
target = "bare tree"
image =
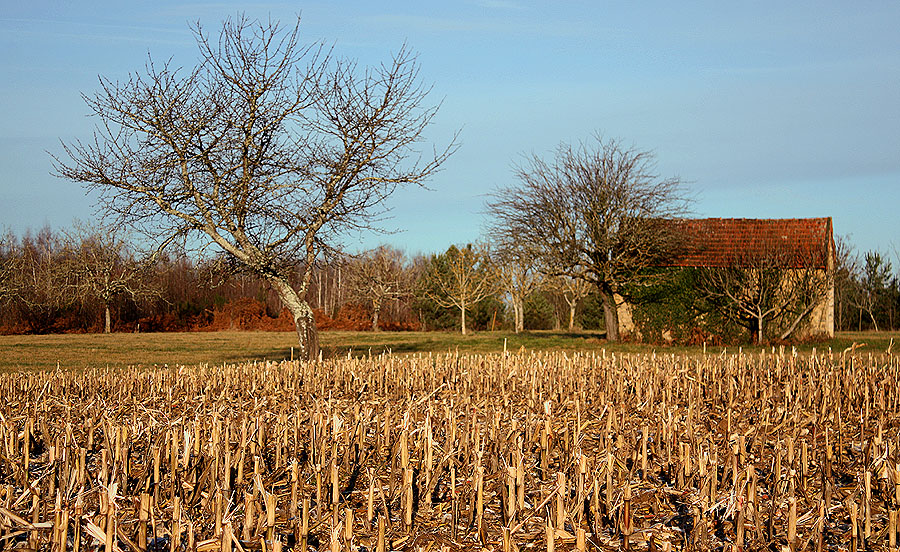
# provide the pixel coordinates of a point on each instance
(10, 267)
(846, 269)
(594, 212)
(460, 278)
(518, 276)
(871, 284)
(267, 149)
(104, 267)
(572, 290)
(42, 285)
(763, 290)
(378, 277)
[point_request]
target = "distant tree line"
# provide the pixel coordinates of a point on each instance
(92, 279)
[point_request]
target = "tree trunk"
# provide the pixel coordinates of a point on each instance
(760, 335)
(375, 311)
(307, 333)
(304, 320)
(840, 313)
(462, 319)
(515, 306)
(108, 320)
(519, 312)
(571, 317)
(610, 316)
(872, 316)
(796, 322)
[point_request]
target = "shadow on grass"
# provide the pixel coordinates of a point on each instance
(71, 351)
(356, 349)
(360, 344)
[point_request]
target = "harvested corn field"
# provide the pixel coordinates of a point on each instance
(527, 451)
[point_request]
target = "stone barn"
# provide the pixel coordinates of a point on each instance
(728, 242)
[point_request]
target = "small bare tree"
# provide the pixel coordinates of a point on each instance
(460, 278)
(518, 276)
(595, 212)
(572, 290)
(42, 286)
(846, 269)
(10, 267)
(104, 267)
(266, 149)
(768, 289)
(377, 277)
(871, 284)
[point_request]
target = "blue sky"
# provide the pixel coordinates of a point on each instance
(764, 109)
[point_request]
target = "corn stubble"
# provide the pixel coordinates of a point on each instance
(555, 451)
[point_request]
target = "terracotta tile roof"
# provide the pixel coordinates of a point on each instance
(720, 242)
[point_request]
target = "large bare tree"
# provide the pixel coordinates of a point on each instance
(593, 212)
(267, 148)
